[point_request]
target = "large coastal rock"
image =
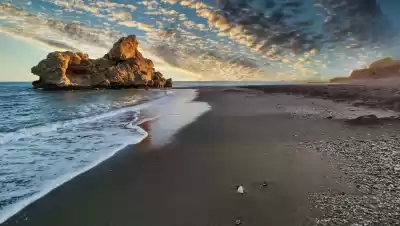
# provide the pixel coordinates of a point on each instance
(122, 67)
(380, 69)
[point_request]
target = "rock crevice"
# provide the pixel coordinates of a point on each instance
(122, 67)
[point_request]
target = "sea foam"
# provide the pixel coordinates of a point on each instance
(11, 210)
(35, 160)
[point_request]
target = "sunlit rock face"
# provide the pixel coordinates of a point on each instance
(123, 66)
(384, 68)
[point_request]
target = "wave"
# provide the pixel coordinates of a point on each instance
(53, 158)
(32, 131)
(59, 133)
(41, 135)
(10, 95)
(15, 208)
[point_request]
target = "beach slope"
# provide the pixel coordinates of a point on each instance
(248, 139)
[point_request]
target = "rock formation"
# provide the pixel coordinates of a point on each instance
(380, 69)
(122, 67)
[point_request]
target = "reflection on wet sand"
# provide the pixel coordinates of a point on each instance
(147, 127)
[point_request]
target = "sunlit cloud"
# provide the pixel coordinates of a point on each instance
(120, 16)
(149, 4)
(172, 2)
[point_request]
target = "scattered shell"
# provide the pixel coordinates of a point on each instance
(264, 184)
(238, 222)
(240, 189)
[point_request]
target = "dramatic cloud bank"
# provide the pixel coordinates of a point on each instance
(217, 40)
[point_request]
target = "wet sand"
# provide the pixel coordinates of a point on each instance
(247, 138)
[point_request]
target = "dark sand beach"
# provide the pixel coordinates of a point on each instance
(280, 148)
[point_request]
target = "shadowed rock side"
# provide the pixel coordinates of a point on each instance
(380, 69)
(122, 67)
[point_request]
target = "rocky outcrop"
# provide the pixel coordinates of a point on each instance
(380, 69)
(122, 67)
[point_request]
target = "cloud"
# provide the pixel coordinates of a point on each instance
(103, 9)
(172, 2)
(78, 5)
(139, 25)
(189, 24)
(150, 4)
(194, 4)
(211, 65)
(163, 12)
(120, 15)
(56, 44)
(277, 34)
(113, 5)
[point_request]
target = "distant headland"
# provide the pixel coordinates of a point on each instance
(386, 68)
(122, 67)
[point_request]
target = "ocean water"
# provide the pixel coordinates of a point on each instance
(49, 137)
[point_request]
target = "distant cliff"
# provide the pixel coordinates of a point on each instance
(380, 69)
(122, 67)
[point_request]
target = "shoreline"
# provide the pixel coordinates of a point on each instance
(139, 126)
(17, 207)
(196, 172)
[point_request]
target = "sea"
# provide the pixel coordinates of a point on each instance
(49, 137)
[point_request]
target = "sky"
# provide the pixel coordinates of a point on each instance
(191, 40)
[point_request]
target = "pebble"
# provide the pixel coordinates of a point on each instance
(370, 164)
(240, 189)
